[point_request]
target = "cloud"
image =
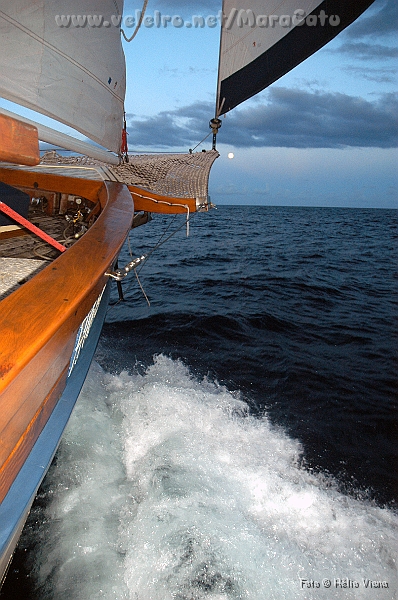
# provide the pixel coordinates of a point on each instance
(300, 119)
(183, 72)
(379, 75)
(365, 51)
(182, 127)
(380, 23)
(373, 35)
(288, 118)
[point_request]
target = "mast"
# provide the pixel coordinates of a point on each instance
(216, 122)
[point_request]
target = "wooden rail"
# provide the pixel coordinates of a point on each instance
(157, 203)
(39, 321)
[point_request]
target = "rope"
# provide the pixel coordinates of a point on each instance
(142, 289)
(138, 24)
(205, 138)
(38, 252)
(185, 206)
(163, 241)
(140, 262)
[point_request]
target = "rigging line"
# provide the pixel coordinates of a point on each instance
(157, 152)
(205, 138)
(184, 206)
(166, 230)
(142, 289)
(138, 24)
(168, 237)
(158, 242)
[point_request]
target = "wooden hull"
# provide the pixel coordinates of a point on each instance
(17, 503)
(39, 324)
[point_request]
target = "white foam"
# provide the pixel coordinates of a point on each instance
(166, 489)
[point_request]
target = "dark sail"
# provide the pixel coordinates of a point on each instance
(263, 40)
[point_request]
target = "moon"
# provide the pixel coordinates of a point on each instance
(230, 154)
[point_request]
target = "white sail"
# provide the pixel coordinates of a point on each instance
(74, 74)
(261, 40)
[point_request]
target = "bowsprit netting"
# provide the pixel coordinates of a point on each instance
(174, 175)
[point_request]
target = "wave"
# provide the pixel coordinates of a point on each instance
(166, 487)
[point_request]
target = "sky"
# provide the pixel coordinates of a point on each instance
(325, 134)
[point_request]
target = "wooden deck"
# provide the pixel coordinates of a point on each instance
(22, 254)
(24, 244)
(14, 272)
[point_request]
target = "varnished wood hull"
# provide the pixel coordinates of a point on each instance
(39, 324)
(17, 503)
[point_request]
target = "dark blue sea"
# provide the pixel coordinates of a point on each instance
(236, 439)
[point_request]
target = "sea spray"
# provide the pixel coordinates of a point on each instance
(166, 488)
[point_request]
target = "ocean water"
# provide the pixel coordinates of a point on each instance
(236, 439)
